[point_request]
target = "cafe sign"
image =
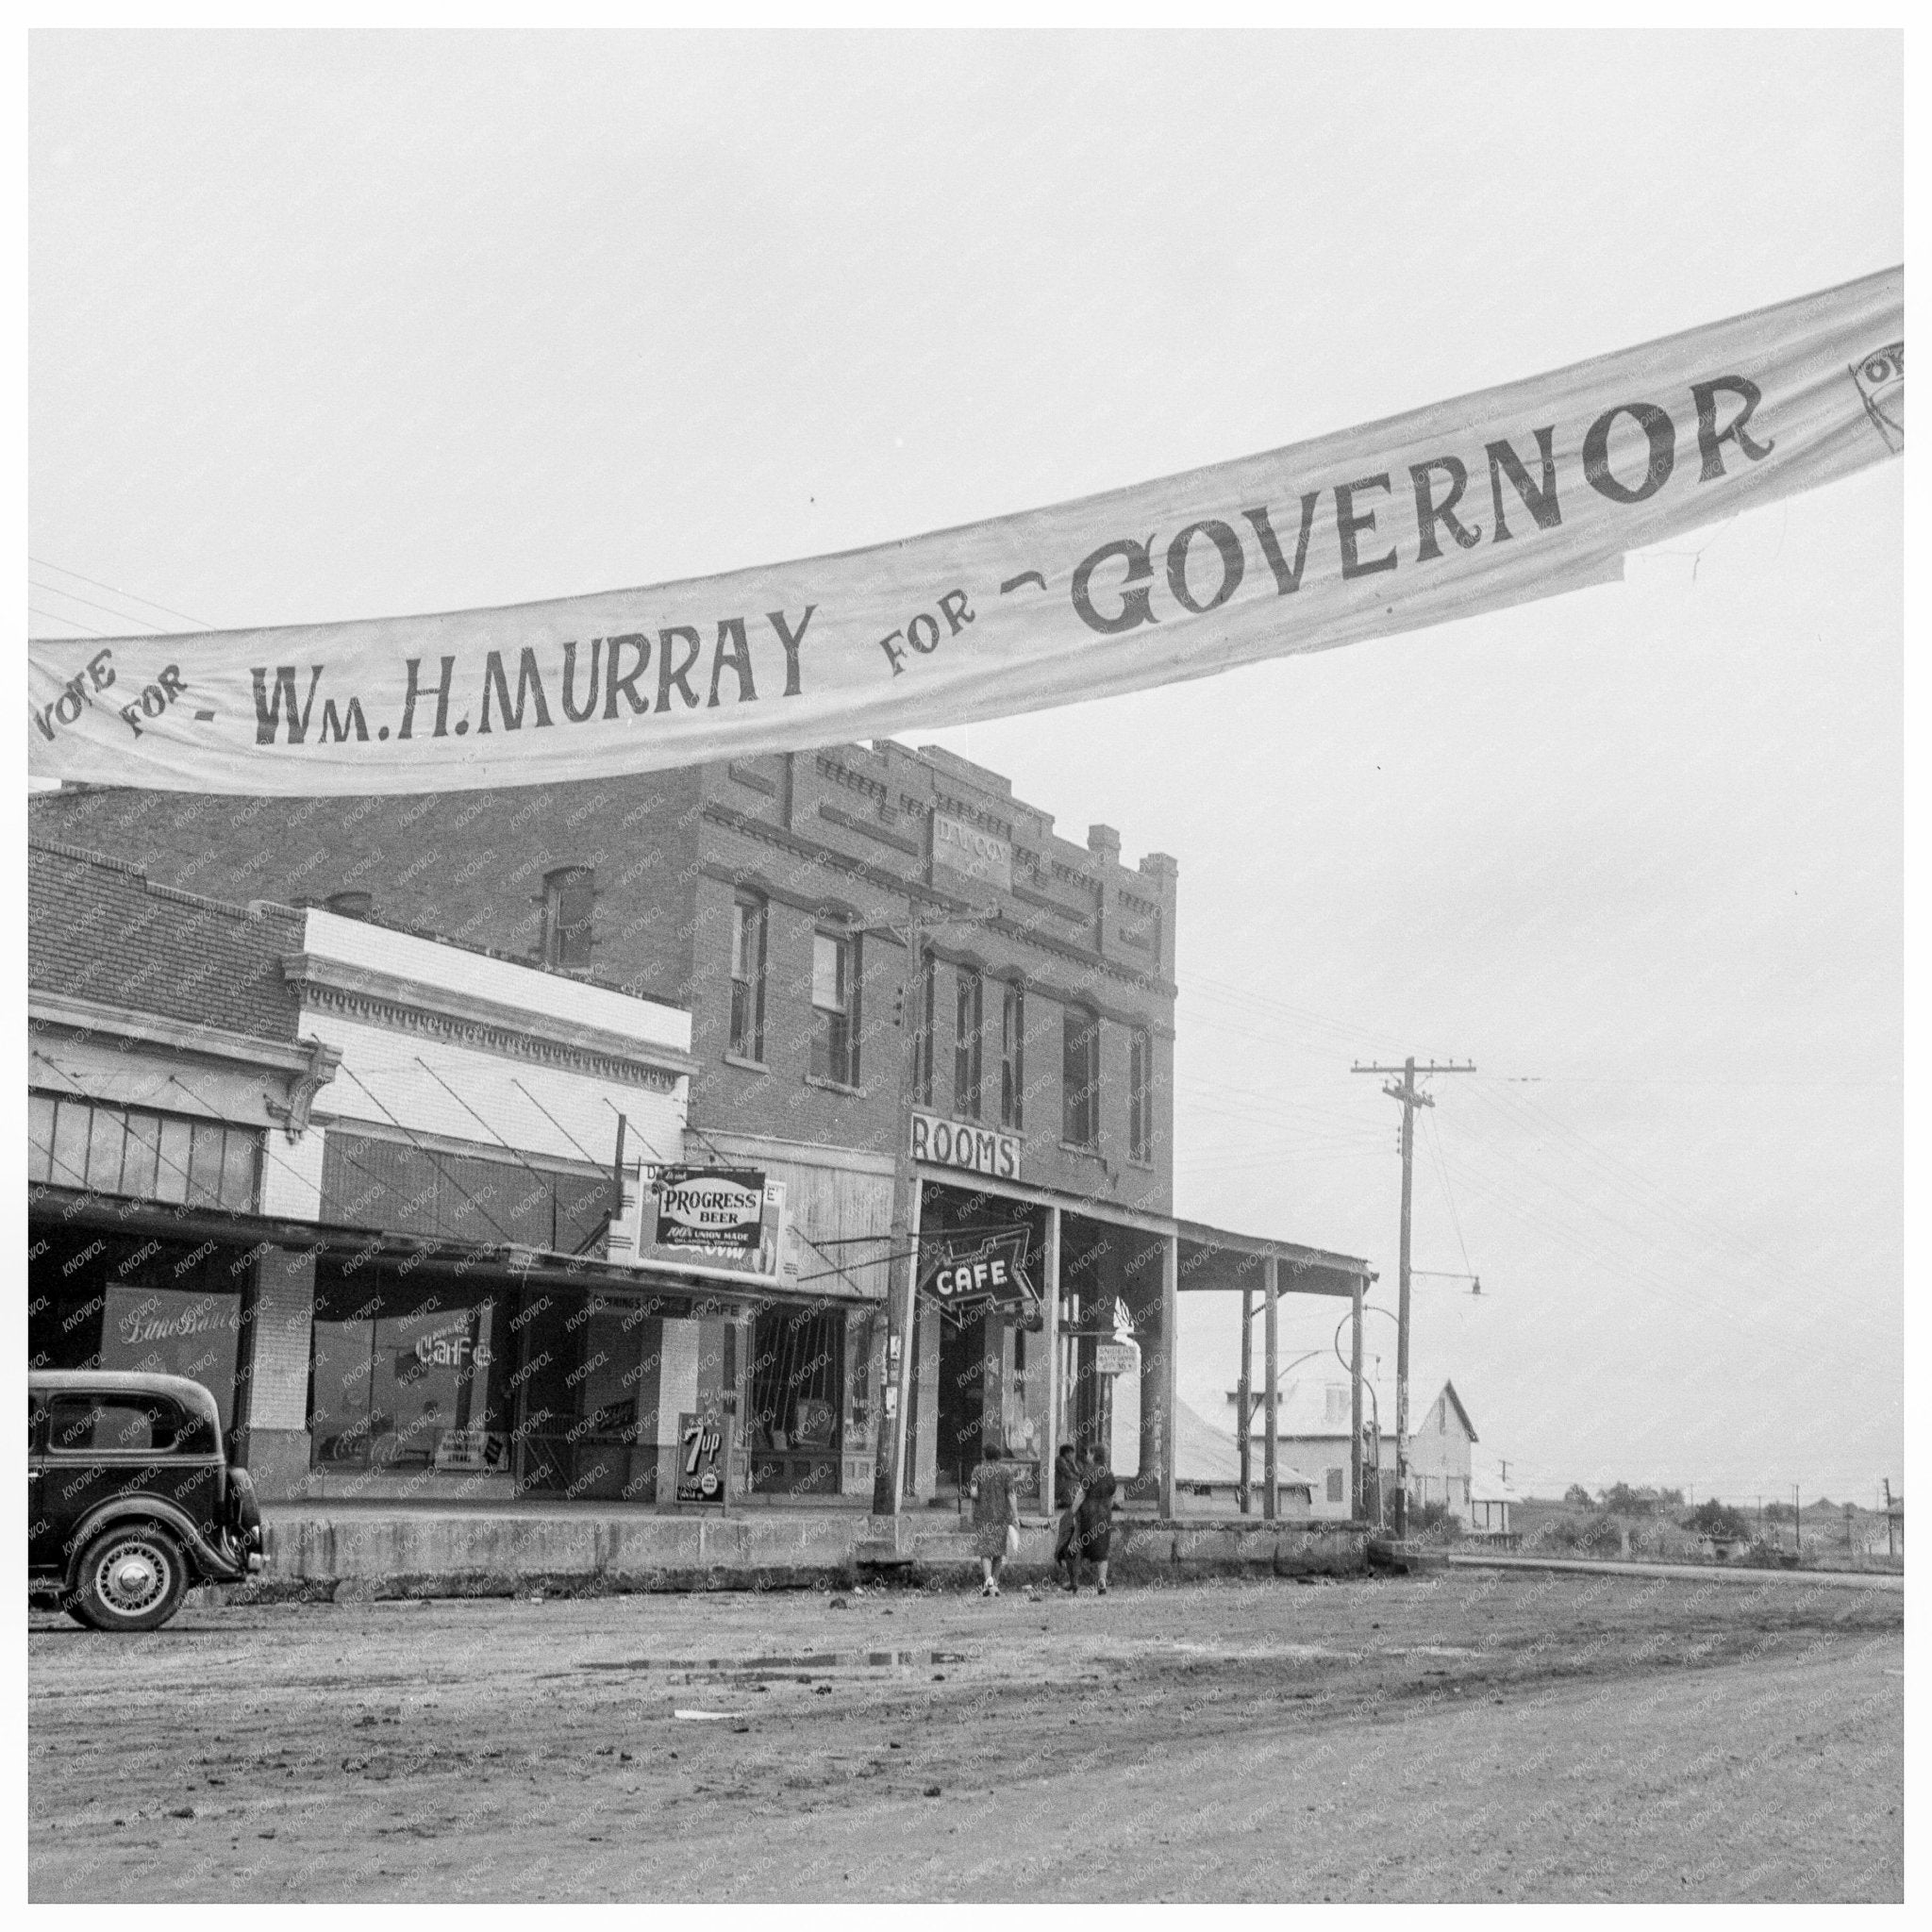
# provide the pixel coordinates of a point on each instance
(979, 1270)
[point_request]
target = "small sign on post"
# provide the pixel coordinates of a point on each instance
(704, 1457)
(1115, 1358)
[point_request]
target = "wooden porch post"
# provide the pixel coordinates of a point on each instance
(1244, 1399)
(1358, 1507)
(1050, 1287)
(1169, 1362)
(1270, 1496)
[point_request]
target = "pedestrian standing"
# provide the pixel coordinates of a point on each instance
(996, 1511)
(1093, 1536)
(1066, 1496)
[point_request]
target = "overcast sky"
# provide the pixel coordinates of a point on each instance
(330, 326)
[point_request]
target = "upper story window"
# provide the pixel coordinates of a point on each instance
(835, 1007)
(570, 897)
(1141, 1095)
(1080, 1077)
(923, 1021)
(1012, 1055)
(969, 1017)
(748, 976)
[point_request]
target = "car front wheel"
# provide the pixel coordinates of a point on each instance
(132, 1577)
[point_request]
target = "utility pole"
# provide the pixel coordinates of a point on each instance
(888, 1480)
(1412, 1097)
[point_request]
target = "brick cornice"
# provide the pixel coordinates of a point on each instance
(96, 1017)
(763, 831)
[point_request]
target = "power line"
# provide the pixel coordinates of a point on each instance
(91, 603)
(1454, 1219)
(128, 596)
(55, 617)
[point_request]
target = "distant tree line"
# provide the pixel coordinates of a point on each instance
(1622, 1499)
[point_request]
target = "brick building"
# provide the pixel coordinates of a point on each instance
(344, 1176)
(713, 888)
(761, 896)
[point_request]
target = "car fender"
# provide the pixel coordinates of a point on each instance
(208, 1563)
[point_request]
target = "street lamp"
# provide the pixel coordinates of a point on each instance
(1374, 1400)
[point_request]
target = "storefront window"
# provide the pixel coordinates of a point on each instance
(794, 1433)
(601, 1381)
(402, 1379)
(134, 1302)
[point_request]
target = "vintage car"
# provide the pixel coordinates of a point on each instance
(130, 1497)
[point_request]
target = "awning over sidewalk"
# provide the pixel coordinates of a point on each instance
(125, 1214)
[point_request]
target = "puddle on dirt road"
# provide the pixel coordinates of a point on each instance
(808, 1664)
(1298, 1653)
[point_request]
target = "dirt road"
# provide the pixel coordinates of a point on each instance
(1473, 1736)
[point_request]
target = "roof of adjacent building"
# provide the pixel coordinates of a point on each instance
(100, 929)
(1448, 1394)
(1204, 1453)
(1486, 1483)
(1302, 1405)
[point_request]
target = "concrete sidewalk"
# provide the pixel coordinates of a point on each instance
(1695, 1573)
(376, 1549)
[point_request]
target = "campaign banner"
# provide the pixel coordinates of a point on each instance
(1505, 496)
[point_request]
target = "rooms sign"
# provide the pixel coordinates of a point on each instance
(972, 1150)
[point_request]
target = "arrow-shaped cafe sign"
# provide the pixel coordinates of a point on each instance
(979, 1270)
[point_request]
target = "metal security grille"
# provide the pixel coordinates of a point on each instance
(131, 1150)
(369, 1182)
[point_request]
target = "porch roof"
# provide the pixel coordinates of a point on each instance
(1211, 1259)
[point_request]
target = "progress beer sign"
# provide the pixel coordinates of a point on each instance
(727, 1221)
(718, 1210)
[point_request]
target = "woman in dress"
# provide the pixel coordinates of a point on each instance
(1066, 1496)
(1093, 1536)
(996, 1508)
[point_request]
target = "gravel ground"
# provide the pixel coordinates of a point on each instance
(1470, 1735)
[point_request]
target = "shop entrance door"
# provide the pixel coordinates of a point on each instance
(588, 1425)
(961, 1407)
